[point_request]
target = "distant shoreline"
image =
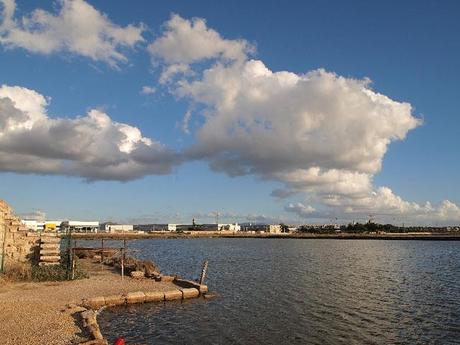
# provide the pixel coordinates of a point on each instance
(221, 234)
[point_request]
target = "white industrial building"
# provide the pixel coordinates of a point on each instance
(48, 225)
(264, 228)
(79, 226)
(218, 227)
(117, 228)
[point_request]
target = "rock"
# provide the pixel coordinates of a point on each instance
(150, 269)
(137, 274)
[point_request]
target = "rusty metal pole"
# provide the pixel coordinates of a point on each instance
(203, 272)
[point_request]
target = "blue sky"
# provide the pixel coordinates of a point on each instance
(409, 50)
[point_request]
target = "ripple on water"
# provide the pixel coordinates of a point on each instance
(302, 292)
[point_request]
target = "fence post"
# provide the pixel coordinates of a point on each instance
(122, 263)
(102, 250)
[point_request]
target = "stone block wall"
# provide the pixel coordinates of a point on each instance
(16, 243)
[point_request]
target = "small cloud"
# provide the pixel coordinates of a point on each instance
(282, 193)
(148, 90)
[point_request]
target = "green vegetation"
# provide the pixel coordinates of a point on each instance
(26, 272)
(370, 227)
(55, 273)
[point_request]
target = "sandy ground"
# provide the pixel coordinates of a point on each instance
(35, 313)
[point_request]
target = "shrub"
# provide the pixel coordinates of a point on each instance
(18, 271)
(55, 273)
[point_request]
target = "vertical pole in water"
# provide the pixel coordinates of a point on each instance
(203, 271)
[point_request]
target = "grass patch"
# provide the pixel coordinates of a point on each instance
(26, 272)
(18, 271)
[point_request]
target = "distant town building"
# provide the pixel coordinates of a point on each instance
(79, 226)
(217, 227)
(157, 227)
(263, 228)
(116, 228)
(49, 225)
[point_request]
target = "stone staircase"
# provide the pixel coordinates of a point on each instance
(50, 252)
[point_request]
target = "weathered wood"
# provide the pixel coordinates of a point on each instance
(203, 272)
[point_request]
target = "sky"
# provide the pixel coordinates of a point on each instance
(164, 111)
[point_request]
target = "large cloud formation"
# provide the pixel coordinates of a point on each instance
(78, 28)
(91, 146)
(319, 135)
(316, 133)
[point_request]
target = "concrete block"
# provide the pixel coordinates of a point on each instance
(154, 296)
(173, 295)
(189, 293)
(115, 300)
(94, 303)
(135, 297)
(203, 288)
(167, 278)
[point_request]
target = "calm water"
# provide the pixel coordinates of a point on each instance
(301, 292)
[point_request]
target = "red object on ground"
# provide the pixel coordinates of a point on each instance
(119, 341)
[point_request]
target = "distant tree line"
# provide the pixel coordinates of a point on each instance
(370, 227)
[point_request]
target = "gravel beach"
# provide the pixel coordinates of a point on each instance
(36, 313)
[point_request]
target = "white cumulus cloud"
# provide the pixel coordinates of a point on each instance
(184, 42)
(77, 28)
(316, 133)
(92, 146)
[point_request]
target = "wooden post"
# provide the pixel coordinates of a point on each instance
(102, 251)
(203, 272)
(73, 263)
(122, 263)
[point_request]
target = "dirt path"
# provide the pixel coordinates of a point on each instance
(35, 313)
